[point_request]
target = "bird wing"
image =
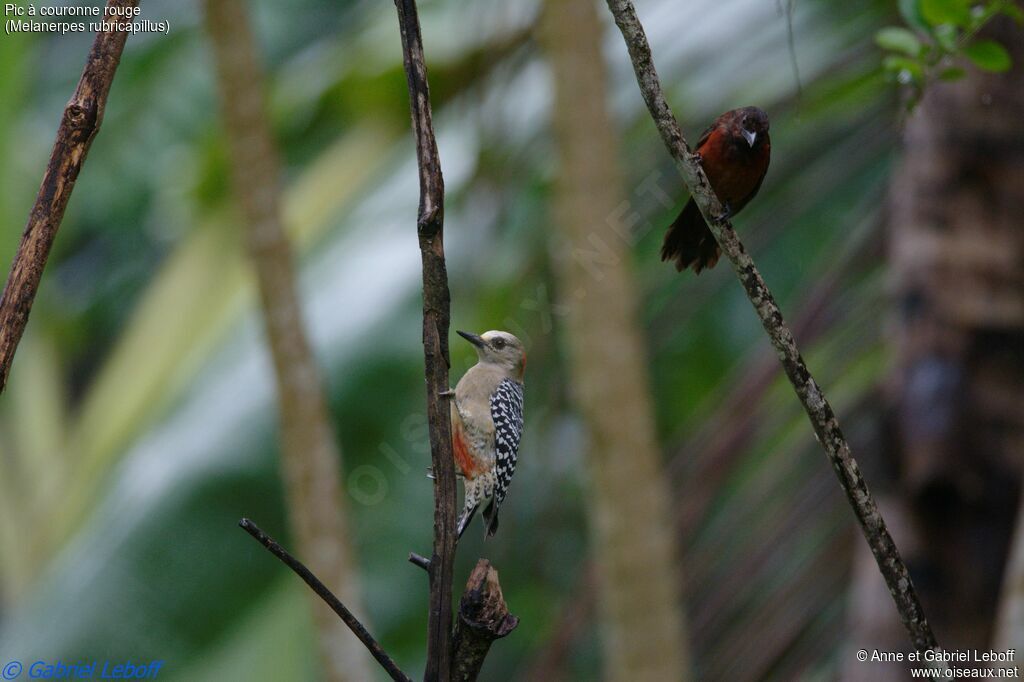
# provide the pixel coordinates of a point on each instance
(706, 134)
(507, 414)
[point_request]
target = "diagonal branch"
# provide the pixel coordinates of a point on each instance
(436, 312)
(78, 126)
(823, 419)
(314, 583)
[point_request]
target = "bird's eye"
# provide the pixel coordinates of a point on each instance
(499, 343)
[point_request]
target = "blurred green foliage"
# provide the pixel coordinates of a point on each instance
(938, 36)
(139, 424)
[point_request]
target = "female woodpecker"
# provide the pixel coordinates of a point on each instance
(487, 422)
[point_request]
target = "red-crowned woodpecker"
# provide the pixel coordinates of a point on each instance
(487, 422)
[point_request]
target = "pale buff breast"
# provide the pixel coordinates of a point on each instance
(471, 413)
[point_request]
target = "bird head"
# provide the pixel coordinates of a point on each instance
(751, 124)
(499, 348)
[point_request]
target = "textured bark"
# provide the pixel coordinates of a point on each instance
(633, 535)
(436, 316)
(78, 127)
(823, 419)
(957, 418)
(309, 451)
(483, 618)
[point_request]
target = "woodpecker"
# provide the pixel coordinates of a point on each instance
(487, 423)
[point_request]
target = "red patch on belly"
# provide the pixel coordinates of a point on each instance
(464, 461)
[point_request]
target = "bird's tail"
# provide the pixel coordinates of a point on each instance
(467, 515)
(474, 495)
(688, 241)
(491, 518)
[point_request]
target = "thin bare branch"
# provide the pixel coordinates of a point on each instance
(314, 583)
(78, 127)
(419, 560)
(823, 419)
(436, 314)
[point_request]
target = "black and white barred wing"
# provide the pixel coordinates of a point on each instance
(507, 414)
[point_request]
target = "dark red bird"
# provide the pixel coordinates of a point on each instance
(734, 152)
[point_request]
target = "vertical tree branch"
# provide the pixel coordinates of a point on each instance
(78, 127)
(823, 419)
(436, 312)
(309, 452)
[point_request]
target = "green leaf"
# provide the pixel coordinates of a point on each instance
(905, 69)
(989, 56)
(953, 73)
(937, 12)
(898, 39)
(946, 35)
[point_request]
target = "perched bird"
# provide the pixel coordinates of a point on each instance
(734, 152)
(487, 422)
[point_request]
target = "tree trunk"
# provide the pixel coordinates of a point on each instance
(633, 540)
(309, 452)
(956, 418)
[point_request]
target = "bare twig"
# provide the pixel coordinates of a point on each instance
(419, 560)
(823, 419)
(483, 618)
(314, 583)
(436, 312)
(78, 127)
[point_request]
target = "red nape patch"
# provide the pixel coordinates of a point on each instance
(463, 460)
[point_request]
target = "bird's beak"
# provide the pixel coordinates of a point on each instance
(749, 136)
(472, 338)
